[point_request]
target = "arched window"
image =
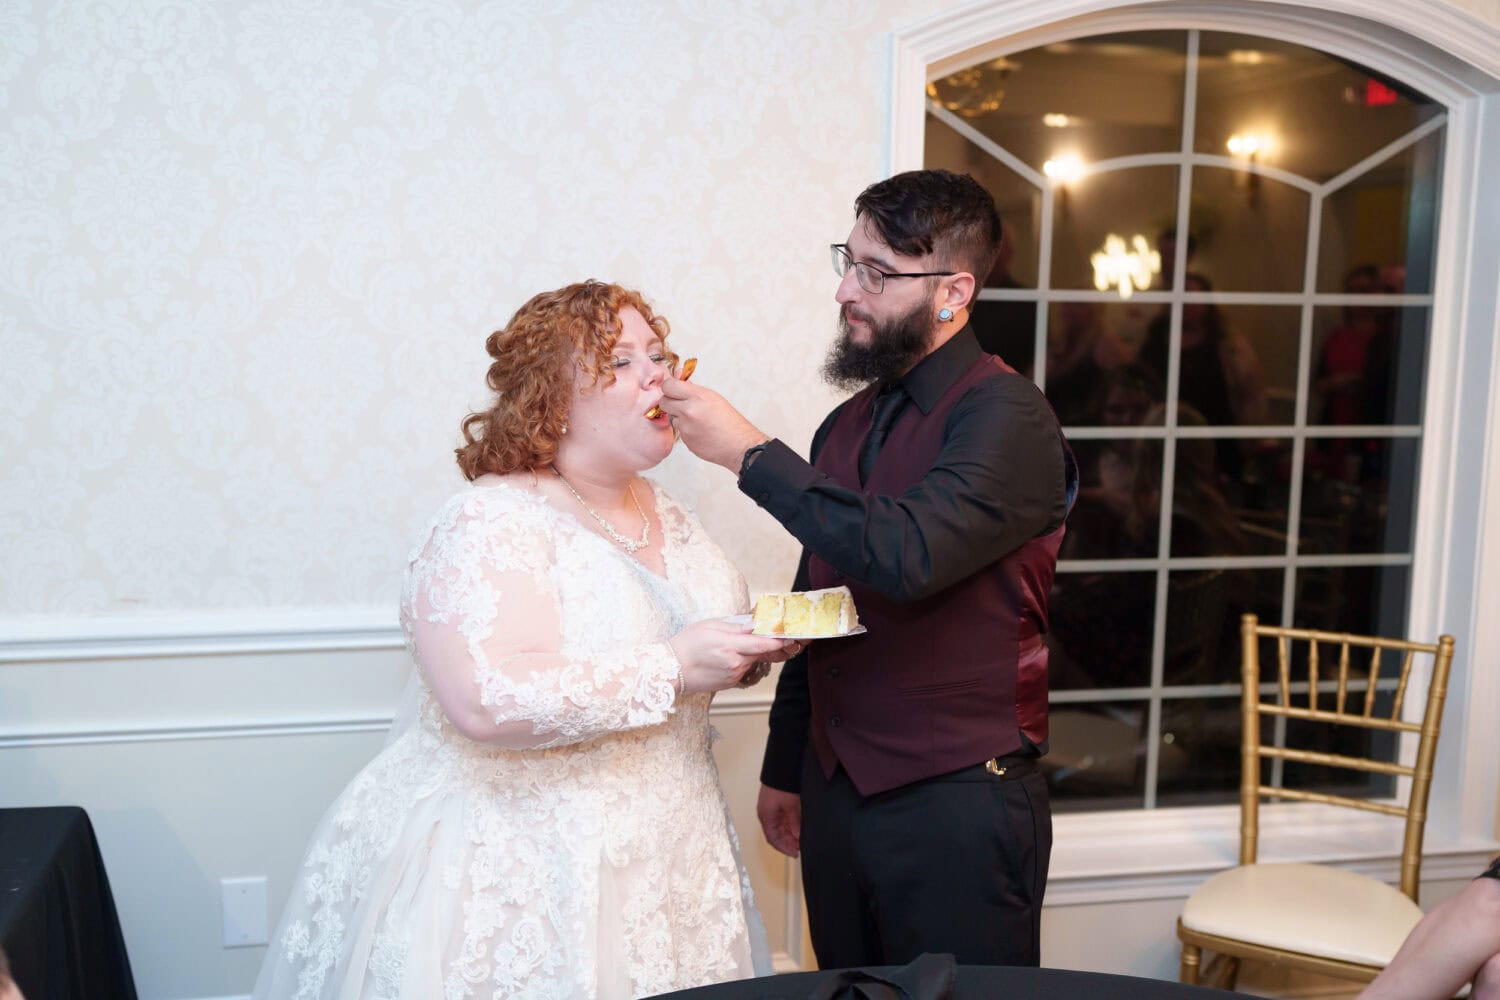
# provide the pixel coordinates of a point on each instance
(1219, 268)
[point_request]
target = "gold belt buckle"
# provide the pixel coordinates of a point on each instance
(994, 768)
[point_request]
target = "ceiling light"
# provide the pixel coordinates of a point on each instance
(974, 90)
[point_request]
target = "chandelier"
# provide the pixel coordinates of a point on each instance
(974, 90)
(1127, 267)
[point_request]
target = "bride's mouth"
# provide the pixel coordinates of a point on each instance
(687, 373)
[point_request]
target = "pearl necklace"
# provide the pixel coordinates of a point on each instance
(629, 545)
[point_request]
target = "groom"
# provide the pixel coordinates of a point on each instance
(902, 763)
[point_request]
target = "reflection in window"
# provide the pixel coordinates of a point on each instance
(1358, 354)
(1203, 623)
(1235, 210)
(1318, 114)
(1101, 631)
(1248, 424)
(1203, 734)
(1123, 203)
(1098, 758)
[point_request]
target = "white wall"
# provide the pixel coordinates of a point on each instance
(248, 256)
(251, 251)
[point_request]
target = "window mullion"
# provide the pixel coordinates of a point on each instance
(1299, 417)
(1169, 454)
(1043, 285)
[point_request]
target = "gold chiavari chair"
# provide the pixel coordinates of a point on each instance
(1312, 917)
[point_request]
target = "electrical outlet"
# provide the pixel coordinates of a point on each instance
(244, 906)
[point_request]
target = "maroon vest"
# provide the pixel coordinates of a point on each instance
(938, 684)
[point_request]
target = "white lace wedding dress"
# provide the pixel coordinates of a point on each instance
(599, 863)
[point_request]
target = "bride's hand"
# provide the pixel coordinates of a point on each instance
(789, 648)
(715, 654)
(757, 673)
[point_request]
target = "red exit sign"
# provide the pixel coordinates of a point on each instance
(1378, 94)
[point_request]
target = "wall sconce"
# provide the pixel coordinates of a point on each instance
(1064, 169)
(1244, 145)
(1127, 268)
(1248, 146)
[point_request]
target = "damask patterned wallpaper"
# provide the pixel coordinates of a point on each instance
(249, 252)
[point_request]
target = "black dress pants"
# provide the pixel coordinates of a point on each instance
(955, 863)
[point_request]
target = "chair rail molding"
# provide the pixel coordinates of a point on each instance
(45, 638)
(156, 651)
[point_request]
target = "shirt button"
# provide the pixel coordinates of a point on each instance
(833, 671)
(834, 721)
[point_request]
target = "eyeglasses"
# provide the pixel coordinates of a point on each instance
(870, 277)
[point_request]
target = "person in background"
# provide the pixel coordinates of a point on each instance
(1219, 373)
(1457, 943)
(1342, 379)
(1109, 468)
(902, 764)
(1081, 352)
(1102, 621)
(1006, 327)
(1166, 245)
(546, 818)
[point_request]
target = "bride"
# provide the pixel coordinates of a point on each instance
(546, 819)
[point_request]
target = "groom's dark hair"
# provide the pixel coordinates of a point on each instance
(938, 212)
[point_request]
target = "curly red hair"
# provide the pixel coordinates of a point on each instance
(532, 374)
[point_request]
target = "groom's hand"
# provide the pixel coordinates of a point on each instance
(711, 428)
(780, 815)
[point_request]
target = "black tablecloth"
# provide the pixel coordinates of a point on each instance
(57, 916)
(975, 982)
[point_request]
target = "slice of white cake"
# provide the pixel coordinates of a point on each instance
(809, 612)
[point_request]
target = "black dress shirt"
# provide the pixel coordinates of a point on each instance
(1001, 479)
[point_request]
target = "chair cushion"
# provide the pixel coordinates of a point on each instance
(1311, 909)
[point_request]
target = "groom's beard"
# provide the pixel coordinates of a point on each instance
(895, 346)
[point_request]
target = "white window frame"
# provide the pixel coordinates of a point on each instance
(1455, 576)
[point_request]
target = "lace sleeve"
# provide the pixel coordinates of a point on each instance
(487, 631)
(729, 584)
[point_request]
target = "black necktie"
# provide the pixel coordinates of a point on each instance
(887, 405)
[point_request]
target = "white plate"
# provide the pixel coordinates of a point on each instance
(747, 619)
